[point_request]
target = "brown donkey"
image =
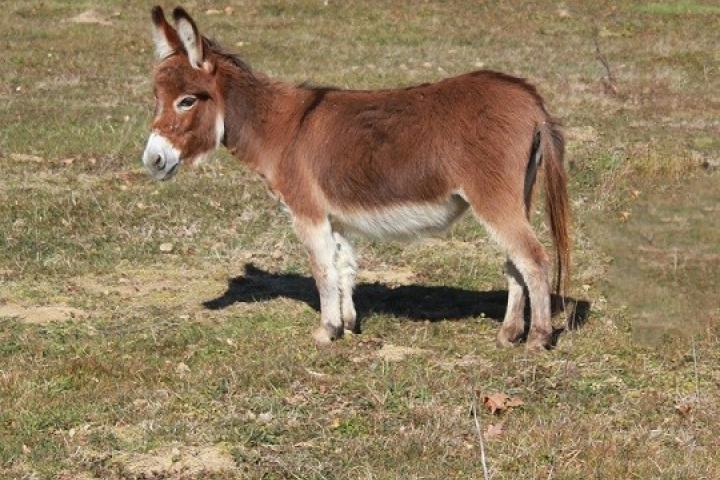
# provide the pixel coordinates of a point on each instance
(382, 163)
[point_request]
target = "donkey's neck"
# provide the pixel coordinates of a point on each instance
(259, 117)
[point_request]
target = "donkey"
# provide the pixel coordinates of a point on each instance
(381, 163)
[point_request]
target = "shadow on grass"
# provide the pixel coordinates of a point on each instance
(415, 302)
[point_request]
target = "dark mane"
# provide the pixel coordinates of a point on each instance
(233, 58)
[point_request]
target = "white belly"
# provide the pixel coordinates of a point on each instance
(400, 221)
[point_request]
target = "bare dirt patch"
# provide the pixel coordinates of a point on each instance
(41, 315)
(397, 353)
(398, 276)
(174, 286)
(125, 287)
(90, 17)
(176, 461)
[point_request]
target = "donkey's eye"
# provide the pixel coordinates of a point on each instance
(186, 103)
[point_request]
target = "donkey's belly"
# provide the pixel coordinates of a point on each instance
(399, 221)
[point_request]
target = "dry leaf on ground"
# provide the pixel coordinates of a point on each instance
(494, 431)
(499, 402)
(683, 409)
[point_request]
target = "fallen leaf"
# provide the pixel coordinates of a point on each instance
(494, 431)
(514, 402)
(499, 402)
(683, 409)
(67, 161)
(624, 216)
(213, 11)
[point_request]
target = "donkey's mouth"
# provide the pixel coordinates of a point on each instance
(171, 173)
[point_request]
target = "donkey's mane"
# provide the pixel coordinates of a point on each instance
(233, 58)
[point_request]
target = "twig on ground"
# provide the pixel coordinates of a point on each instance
(609, 81)
(697, 382)
(480, 438)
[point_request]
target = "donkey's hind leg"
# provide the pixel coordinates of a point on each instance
(322, 249)
(529, 256)
(513, 325)
(514, 233)
(347, 268)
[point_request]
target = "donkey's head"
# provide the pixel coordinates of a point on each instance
(188, 122)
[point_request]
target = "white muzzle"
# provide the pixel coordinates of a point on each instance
(160, 158)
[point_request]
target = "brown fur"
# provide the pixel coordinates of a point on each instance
(325, 151)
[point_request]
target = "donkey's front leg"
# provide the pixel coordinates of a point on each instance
(318, 239)
(347, 268)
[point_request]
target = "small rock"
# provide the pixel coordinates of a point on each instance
(265, 417)
(166, 247)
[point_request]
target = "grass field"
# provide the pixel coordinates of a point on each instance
(119, 359)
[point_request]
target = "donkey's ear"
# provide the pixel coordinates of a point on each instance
(189, 36)
(165, 37)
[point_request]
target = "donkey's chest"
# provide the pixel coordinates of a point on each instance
(401, 221)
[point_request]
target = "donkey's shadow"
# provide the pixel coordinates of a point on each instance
(415, 302)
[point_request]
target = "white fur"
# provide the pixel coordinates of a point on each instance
(192, 44)
(321, 246)
(219, 129)
(219, 132)
(347, 269)
(159, 146)
(405, 220)
(162, 46)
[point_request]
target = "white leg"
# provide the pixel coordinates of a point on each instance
(322, 249)
(347, 268)
(513, 325)
(535, 274)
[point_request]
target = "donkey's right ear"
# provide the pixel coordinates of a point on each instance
(165, 37)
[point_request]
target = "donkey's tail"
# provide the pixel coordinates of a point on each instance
(552, 150)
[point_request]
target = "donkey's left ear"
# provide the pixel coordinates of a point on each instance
(189, 36)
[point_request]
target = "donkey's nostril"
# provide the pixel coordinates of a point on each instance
(159, 162)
